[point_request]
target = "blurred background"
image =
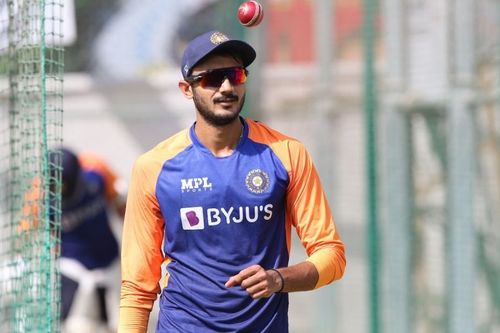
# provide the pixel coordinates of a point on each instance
(398, 102)
(398, 105)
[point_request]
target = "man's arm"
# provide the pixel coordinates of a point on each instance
(308, 211)
(141, 255)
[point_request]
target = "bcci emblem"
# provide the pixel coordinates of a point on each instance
(257, 181)
(218, 37)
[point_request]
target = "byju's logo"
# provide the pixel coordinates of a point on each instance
(192, 218)
(195, 218)
(195, 184)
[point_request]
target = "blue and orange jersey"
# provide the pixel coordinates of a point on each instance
(86, 234)
(207, 218)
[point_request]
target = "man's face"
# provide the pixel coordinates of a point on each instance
(220, 105)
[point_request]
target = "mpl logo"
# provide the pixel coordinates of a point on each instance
(196, 184)
(192, 218)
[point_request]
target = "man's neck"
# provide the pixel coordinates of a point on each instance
(220, 140)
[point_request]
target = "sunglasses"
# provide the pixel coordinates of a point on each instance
(215, 77)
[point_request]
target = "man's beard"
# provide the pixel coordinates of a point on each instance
(210, 117)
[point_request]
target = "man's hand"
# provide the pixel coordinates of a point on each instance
(258, 282)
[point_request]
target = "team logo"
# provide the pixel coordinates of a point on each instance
(218, 37)
(192, 218)
(257, 181)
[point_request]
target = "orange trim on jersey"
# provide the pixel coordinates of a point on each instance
(143, 230)
(307, 207)
(165, 278)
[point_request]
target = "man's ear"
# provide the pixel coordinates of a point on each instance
(186, 89)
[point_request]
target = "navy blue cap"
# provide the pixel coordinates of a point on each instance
(212, 41)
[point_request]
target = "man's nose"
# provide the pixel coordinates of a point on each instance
(226, 85)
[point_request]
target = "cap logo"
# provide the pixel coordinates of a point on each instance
(218, 37)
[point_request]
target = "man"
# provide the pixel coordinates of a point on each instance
(215, 204)
(89, 249)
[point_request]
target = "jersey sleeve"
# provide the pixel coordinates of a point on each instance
(141, 256)
(310, 214)
(307, 207)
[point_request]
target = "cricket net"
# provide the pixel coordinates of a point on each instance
(31, 76)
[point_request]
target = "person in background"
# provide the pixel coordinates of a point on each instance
(215, 204)
(90, 273)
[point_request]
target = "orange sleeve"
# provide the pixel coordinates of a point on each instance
(141, 256)
(136, 320)
(307, 207)
(310, 213)
(143, 233)
(94, 162)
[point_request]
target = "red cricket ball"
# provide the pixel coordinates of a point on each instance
(250, 13)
